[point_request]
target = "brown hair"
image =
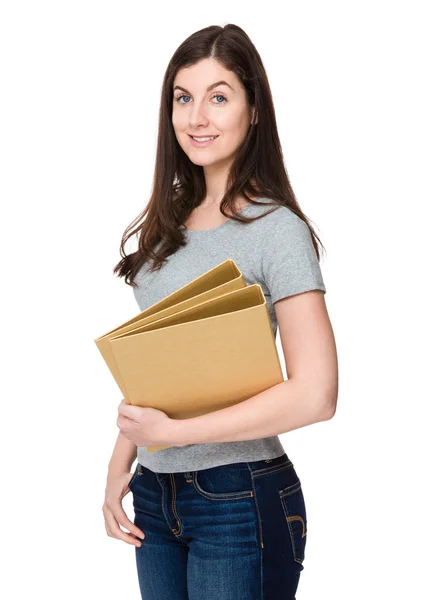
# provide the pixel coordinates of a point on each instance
(258, 169)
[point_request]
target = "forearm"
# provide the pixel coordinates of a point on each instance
(283, 407)
(123, 456)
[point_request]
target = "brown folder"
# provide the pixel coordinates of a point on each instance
(219, 280)
(208, 345)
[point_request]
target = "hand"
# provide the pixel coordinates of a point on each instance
(145, 426)
(117, 488)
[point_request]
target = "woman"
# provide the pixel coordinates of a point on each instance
(221, 513)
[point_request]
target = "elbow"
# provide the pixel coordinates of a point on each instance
(328, 411)
(328, 405)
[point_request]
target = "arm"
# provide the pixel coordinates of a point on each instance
(281, 408)
(308, 396)
(117, 487)
(124, 454)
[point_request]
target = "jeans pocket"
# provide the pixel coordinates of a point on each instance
(267, 467)
(293, 504)
(225, 482)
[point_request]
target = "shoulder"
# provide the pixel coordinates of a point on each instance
(281, 222)
(277, 213)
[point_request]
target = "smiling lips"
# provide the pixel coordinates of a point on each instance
(202, 141)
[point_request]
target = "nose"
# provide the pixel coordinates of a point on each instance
(198, 116)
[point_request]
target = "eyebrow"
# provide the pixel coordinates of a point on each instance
(208, 89)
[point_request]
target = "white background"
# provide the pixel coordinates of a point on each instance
(351, 82)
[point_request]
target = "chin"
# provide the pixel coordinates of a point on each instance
(203, 161)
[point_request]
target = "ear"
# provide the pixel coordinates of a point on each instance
(254, 119)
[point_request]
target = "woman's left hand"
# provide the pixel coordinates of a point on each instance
(146, 426)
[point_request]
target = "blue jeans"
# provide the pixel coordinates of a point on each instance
(232, 532)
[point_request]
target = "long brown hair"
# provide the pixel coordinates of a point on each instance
(179, 186)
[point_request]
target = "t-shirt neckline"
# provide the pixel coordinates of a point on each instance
(202, 231)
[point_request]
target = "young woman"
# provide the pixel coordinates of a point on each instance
(221, 512)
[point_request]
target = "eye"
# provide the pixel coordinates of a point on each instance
(179, 98)
(220, 96)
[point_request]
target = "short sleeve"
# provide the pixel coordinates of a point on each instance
(289, 261)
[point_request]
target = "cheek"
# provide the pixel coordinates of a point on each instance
(233, 127)
(179, 121)
(178, 133)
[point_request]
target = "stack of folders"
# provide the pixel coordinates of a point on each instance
(206, 346)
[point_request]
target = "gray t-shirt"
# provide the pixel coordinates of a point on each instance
(276, 252)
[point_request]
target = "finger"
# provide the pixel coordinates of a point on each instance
(124, 409)
(130, 411)
(122, 518)
(122, 422)
(113, 530)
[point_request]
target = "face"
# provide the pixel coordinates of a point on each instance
(202, 109)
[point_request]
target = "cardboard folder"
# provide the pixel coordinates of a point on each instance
(219, 280)
(190, 355)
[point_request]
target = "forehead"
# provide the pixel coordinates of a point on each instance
(203, 74)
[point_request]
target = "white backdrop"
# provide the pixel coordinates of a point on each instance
(351, 82)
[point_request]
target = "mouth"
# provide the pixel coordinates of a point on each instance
(201, 143)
